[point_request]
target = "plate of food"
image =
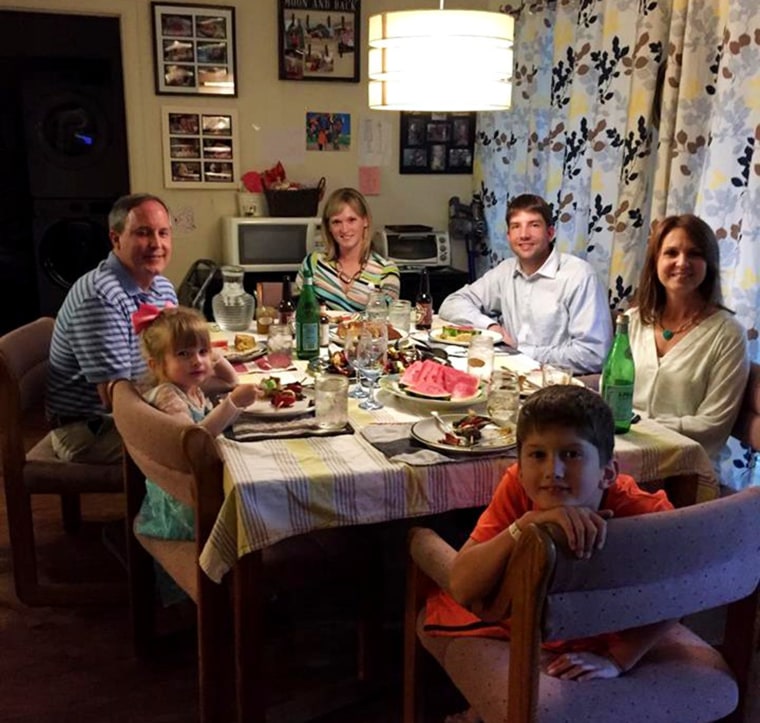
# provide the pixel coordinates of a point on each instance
(244, 348)
(467, 434)
(282, 400)
(460, 335)
(391, 383)
(338, 335)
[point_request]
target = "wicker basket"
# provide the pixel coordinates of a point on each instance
(298, 202)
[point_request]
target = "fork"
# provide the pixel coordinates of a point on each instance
(444, 425)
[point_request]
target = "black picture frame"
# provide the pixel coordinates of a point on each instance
(436, 143)
(319, 40)
(194, 49)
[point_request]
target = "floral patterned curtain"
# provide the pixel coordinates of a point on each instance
(625, 111)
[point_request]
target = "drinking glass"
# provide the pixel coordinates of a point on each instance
(555, 374)
(350, 344)
(370, 358)
(503, 401)
(480, 356)
(331, 401)
(400, 315)
(280, 346)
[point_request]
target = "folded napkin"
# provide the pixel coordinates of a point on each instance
(396, 443)
(249, 429)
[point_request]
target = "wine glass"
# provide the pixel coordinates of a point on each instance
(370, 358)
(350, 344)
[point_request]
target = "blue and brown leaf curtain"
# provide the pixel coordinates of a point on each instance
(625, 111)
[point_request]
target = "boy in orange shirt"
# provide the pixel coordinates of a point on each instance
(565, 474)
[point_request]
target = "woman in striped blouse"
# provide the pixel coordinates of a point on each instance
(348, 270)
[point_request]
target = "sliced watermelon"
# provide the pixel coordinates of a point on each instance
(431, 379)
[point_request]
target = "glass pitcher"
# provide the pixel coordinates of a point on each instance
(233, 306)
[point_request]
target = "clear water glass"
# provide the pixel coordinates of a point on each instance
(331, 401)
(400, 315)
(370, 358)
(480, 356)
(503, 401)
(350, 343)
(377, 307)
(555, 374)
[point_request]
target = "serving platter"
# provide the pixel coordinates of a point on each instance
(427, 432)
(390, 384)
(435, 335)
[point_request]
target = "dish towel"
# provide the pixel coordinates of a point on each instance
(396, 443)
(251, 429)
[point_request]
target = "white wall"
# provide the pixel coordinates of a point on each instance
(268, 103)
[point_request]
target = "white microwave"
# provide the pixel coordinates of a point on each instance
(268, 243)
(407, 247)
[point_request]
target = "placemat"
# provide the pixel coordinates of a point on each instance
(252, 429)
(394, 440)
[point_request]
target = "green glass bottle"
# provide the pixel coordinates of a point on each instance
(618, 375)
(307, 321)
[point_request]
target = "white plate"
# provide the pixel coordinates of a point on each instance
(429, 433)
(264, 408)
(390, 384)
(435, 336)
(335, 339)
(233, 356)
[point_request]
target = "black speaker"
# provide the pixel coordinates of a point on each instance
(70, 238)
(74, 124)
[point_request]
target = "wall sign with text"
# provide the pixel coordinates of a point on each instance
(319, 39)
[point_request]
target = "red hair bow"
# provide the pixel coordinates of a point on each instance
(146, 314)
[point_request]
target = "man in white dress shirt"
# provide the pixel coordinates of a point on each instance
(550, 305)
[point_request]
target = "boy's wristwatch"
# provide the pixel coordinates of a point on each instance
(514, 531)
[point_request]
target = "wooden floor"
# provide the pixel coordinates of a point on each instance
(75, 665)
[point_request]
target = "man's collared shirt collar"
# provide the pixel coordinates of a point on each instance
(127, 281)
(549, 268)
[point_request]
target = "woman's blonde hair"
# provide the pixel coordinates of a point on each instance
(333, 206)
(176, 327)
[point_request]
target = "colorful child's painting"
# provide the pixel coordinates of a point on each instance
(328, 131)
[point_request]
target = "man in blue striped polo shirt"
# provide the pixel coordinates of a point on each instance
(93, 340)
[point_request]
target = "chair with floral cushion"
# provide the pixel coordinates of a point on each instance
(652, 568)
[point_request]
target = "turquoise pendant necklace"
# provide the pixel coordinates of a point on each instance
(668, 334)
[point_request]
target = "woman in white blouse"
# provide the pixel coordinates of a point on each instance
(690, 353)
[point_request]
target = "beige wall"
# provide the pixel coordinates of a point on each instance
(268, 103)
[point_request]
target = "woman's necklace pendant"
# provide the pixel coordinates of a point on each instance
(667, 334)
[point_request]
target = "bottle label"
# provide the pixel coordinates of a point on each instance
(423, 315)
(620, 399)
(307, 338)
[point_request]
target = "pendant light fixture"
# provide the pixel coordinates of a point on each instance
(440, 60)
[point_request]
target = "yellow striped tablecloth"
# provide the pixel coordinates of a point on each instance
(284, 487)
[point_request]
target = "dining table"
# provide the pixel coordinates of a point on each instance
(298, 480)
(279, 487)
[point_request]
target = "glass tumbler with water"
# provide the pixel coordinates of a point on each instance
(280, 346)
(331, 401)
(480, 356)
(400, 315)
(503, 401)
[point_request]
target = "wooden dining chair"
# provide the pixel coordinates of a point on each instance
(24, 356)
(652, 568)
(747, 426)
(269, 293)
(183, 459)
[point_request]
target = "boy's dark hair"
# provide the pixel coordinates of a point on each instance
(533, 204)
(573, 407)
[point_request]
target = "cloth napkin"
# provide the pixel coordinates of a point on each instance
(249, 428)
(396, 443)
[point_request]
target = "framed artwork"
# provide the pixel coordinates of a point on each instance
(200, 148)
(194, 49)
(436, 142)
(319, 39)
